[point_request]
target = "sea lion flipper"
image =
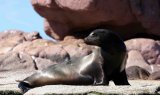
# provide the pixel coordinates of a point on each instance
(24, 87)
(120, 78)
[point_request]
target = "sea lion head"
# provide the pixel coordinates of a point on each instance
(105, 39)
(98, 37)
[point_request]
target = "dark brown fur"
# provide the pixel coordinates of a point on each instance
(114, 54)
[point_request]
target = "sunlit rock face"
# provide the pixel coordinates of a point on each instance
(127, 17)
(27, 50)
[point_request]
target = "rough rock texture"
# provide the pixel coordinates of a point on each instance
(150, 49)
(136, 88)
(136, 72)
(11, 38)
(14, 61)
(129, 17)
(143, 53)
(20, 50)
(22, 53)
(155, 76)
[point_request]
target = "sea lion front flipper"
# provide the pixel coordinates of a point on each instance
(120, 78)
(99, 76)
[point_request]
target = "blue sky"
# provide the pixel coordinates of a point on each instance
(20, 15)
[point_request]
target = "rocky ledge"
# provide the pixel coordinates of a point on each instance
(138, 87)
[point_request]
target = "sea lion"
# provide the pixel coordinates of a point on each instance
(113, 52)
(86, 70)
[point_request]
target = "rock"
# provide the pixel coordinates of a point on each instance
(15, 61)
(35, 50)
(154, 68)
(29, 50)
(32, 36)
(77, 51)
(147, 13)
(75, 47)
(143, 53)
(34, 47)
(8, 79)
(155, 76)
(136, 59)
(137, 87)
(158, 60)
(128, 17)
(42, 63)
(55, 53)
(72, 40)
(136, 72)
(9, 39)
(150, 49)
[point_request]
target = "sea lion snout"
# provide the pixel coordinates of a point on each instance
(91, 40)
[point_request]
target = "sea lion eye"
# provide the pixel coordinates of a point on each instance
(93, 34)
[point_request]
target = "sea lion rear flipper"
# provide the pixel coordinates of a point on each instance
(24, 87)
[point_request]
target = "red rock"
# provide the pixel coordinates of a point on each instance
(63, 17)
(14, 61)
(150, 49)
(158, 60)
(72, 40)
(54, 53)
(42, 63)
(155, 76)
(32, 36)
(34, 47)
(129, 17)
(136, 72)
(154, 68)
(147, 13)
(11, 38)
(136, 59)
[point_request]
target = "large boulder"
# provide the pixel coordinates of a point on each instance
(11, 38)
(149, 49)
(143, 56)
(69, 17)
